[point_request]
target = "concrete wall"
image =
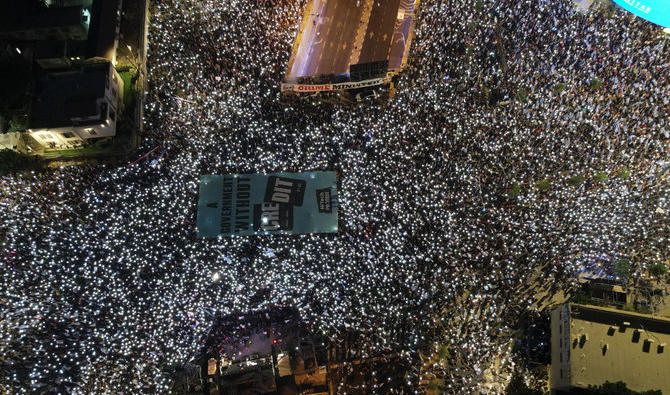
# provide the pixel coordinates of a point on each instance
(560, 347)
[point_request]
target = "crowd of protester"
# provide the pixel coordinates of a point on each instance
(526, 142)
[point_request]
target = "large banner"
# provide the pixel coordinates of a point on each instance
(306, 88)
(277, 203)
(656, 11)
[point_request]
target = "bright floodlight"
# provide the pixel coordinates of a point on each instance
(216, 276)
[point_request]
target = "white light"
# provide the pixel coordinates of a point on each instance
(216, 276)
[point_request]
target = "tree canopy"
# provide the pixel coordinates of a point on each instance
(618, 388)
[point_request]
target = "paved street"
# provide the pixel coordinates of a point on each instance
(328, 39)
(380, 31)
(343, 32)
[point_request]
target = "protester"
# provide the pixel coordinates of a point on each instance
(525, 143)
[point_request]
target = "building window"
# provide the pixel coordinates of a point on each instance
(45, 137)
(68, 135)
(92, 132)
(561, 373)
(112, 115)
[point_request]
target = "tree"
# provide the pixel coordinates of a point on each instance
(517, 386)
(514, 191)
(434, 385)
(600, 176)
(544, 185)
(522, 94)
(581, 298)
(443, 353)
(11, 161)
(576, 181)
(624, 173)
(618, 388)
(16, 124)
(658, 269)
(595, 83)
(560, 87)
(621, 269)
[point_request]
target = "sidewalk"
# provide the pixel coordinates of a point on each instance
(290, 76)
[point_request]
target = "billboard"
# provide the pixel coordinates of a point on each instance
(656, 11)
(277, 203)
(340, 86)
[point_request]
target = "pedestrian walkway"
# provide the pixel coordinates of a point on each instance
(402, 34)
(290, 75)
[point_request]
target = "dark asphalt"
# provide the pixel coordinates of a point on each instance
(333, 38)
(380, 31)
(328, 40)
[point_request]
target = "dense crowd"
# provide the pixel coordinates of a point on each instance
(526, 142)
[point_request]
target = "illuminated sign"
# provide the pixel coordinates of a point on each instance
(656, 11)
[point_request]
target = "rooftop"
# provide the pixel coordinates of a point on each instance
(613, 345)
(63, 96)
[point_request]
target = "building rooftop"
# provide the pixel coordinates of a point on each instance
(614, 345)
(59, 49)
(53, 17)
(63, 96)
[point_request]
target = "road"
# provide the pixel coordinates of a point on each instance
(341, 32)
(328, 38)
(380, 31)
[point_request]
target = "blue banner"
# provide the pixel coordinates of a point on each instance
(656, 11)
(277, 203)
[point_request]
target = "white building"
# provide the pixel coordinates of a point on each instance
(73, 107)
